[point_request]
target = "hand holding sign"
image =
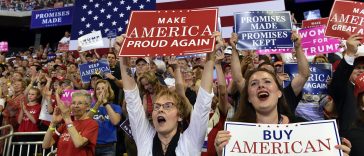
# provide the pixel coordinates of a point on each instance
(91, 41)
(221, 140)
(119, 41)
(233, 40)
(352, 44)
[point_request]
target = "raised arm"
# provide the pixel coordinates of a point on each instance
(180, 85)
(224, 105)
(237, 76)
(299, 81)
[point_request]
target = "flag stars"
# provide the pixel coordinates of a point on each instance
(120, 29)
(83, 19)
(97, 5)
(121, 15)
(80, 32)
(101, 24)
(128, 7)
(91, 1)
(96, 18)
(89, 12)
(126, 22)
(84, 6)
(88, 25)
(114, 22)
(122, 2)
(102, 10)
(141, 6)
(115, 9)
(148, 0)
(109, 3)
(108, 16)
(106, 30)
(135, 1)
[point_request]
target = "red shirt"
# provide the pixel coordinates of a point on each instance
(87, 128)
(26, 124)
(211, 151)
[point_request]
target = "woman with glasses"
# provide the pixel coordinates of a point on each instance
(162, 136)
(77, 136)
(108, 116)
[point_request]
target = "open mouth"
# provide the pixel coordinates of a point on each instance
(263, 95)
(161, 119)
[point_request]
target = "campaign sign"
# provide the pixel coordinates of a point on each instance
(346, 18)
(51, 56)
(63, 47)
(66, 97)
(90, 41)
(263, 30)
(314, 41)
(273, 51)
(51, 17)
(87, 69)
(297, 139)
(4, 47)
(314, 22)
(170, 32)
(316, 83)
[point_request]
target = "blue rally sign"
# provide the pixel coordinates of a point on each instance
(51, 17)
(317, 82)
(263, 30)
(87, 69)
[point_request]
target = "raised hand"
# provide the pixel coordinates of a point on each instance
(118, 41)
(56, 116)
(219, 56)
(102, 98)
(296, 38)
(233, 40)
(219, 40)
(352, 44)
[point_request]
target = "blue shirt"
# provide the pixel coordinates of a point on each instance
(107, 131)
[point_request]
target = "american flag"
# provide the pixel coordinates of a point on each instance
(107, 15)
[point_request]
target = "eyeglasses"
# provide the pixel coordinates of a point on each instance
(166, 106)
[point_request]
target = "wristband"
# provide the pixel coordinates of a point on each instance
(51, 128)
(93, 110)
(69, 125)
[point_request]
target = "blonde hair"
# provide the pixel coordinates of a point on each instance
(109, 89)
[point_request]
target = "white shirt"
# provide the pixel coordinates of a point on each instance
(189, 143)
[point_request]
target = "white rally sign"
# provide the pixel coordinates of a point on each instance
(299, 139)
(91, 41)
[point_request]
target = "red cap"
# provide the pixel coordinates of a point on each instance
(359, 85)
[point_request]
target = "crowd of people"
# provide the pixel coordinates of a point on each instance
(29, 5)
(172, 103)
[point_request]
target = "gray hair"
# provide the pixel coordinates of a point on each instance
(83, 93)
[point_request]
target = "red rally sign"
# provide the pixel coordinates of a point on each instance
(170, 32)
(314, 22)
(346, 18)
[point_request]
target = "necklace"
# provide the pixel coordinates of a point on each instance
(165, 147)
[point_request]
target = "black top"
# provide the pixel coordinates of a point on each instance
(342, 92)
(356, 137)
